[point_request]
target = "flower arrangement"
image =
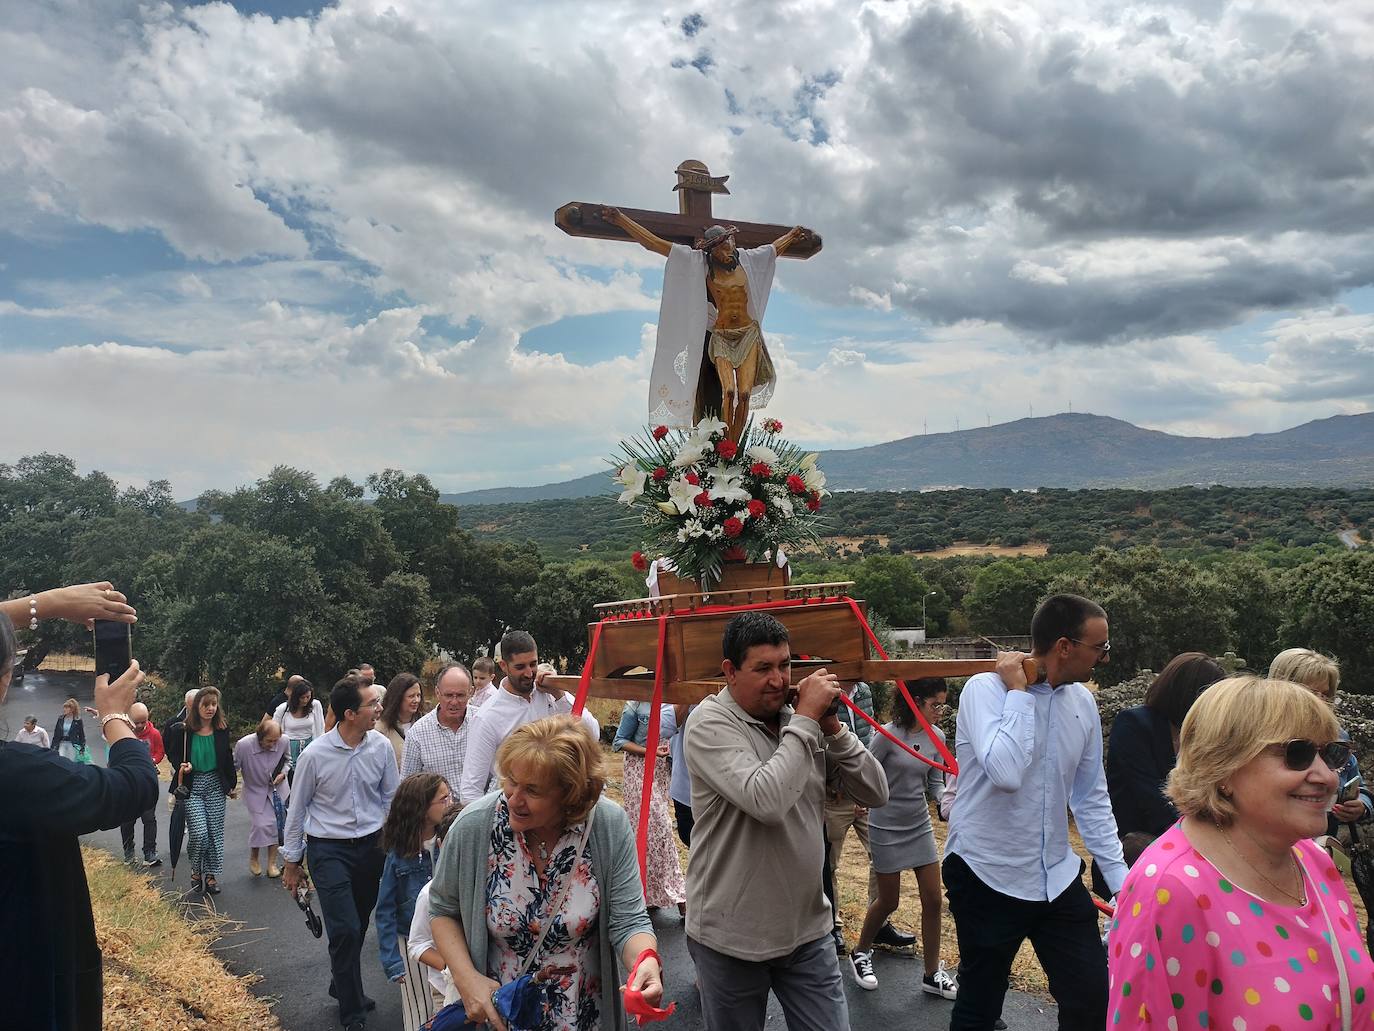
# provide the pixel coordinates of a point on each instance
(706, 499)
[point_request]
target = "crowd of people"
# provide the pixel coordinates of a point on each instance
(478, 837)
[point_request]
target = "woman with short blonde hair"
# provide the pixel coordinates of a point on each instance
(1313, 670)
(543, 875)
(1233, 916)
(1321, 675)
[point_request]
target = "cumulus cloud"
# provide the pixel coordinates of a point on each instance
(1061, 199)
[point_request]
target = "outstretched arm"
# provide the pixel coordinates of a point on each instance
(787, 239)
(637, 232)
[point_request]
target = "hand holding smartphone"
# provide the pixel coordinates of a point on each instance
(113, 648)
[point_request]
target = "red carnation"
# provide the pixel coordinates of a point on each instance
(772, 426)
(692, 478)
(660, 432)
(703, 499)
(796, 484)
(639, 561)
(757, 508)
(727, 449)
(660, 474)
(761, 469)
(732, 527)
(813, 504)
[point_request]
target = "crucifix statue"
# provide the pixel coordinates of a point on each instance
(710, 354)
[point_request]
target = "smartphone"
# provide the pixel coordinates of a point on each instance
(113, 648)
(1350, 790)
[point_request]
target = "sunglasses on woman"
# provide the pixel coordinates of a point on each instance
(1299, 753)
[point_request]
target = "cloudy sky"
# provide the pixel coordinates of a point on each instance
(233, 236)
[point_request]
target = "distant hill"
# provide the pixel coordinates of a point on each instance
(1066, 451)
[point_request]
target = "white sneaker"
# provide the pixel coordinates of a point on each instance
(862, 965)
(941, 983)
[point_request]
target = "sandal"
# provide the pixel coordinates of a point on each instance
(196, 886)
(211, 886)
(254, 867)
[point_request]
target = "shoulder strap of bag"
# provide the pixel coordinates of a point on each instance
(1346, 1004)
(558, 901)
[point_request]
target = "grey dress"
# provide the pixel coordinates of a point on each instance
(900, 835)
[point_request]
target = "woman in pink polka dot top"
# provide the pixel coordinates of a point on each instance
(1233, 919)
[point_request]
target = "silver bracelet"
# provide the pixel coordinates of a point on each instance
(33, 612)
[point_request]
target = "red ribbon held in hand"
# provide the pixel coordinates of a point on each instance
(635, 1004)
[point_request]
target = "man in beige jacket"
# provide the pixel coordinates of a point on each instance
(761, 755)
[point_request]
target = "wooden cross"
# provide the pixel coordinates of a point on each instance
(694, 188)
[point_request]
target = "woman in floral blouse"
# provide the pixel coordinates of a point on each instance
(546, 840)
(1233, 918)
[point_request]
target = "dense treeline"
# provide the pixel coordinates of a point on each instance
(291, 574)
(1064, 520)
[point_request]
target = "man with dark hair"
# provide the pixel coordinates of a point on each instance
(523, 697)
(1028, 753)
(339, 800)
(761, 755)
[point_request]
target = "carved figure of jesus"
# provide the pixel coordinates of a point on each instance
(719, 329)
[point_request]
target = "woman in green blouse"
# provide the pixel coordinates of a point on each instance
(201, 752)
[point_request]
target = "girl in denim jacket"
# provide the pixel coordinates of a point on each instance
(419, 804)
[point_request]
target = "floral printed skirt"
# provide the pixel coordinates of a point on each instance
(663, 864)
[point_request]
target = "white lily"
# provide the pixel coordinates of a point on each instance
(668, 508)
(709, 427)
(783, 504)
(809, 461)
(759, 453)
(729, 490)
(681, 497)
(812, 476)
(633, 480)
(693, 451)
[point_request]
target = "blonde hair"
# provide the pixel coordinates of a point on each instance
(74, 705)
(1308, 668)
(559, 753)
(1230, 724)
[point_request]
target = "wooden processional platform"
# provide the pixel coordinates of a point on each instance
(827, 626)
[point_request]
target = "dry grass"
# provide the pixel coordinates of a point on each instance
(159, 970)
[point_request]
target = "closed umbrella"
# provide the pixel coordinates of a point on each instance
(176, 826)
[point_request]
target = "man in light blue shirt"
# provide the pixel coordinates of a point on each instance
(339, 801)
(1029, 753)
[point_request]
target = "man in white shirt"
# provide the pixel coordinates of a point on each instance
(522, 698)
(1028, 753)
(438, 741)
(32, 734)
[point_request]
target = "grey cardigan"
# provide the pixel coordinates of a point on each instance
(459, 889)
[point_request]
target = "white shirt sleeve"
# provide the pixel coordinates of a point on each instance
(317, 713)
(483, 740)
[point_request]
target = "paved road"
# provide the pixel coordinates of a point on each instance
(273, 941)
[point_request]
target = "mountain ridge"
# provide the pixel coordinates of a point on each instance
(1072, 450)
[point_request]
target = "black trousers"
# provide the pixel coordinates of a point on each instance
(347, 875)
(991, 927)
(126, 833)
(685, 822)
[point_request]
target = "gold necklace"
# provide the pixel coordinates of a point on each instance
(1300, 898)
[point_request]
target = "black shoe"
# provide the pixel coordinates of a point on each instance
(1000, 1025)
(357, 1025)
(841, 949)
(369, 1004)
(892, 938)
(151, 859)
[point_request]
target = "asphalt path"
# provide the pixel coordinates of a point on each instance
(269, 938)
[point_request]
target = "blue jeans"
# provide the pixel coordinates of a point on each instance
(346, 875)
